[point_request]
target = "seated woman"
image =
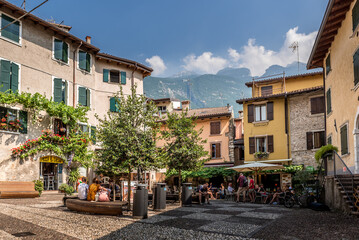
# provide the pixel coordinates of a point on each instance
(277, 194)
(220, 193)
(210, 191)
(263, 193)
(93, 189)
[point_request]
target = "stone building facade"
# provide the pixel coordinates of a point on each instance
(45, 58)
(302, 123)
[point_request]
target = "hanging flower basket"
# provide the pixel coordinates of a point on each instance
(261, 155)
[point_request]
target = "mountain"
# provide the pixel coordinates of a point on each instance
(212, 90)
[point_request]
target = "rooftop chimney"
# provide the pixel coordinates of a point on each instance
(185, 105)
(88, 39)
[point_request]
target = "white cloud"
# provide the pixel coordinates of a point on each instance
(157, 64)
(204, 63)
(254, 57)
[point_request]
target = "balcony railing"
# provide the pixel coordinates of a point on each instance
(267, 92)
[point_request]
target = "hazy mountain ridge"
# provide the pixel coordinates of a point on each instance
(212, 90)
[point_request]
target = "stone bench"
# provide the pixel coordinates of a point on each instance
(103, 208)
(12, 189)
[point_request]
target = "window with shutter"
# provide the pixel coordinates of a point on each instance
(317, 105)
(5, 75)
(13, 120)
(318, 139)
(355, 15)
(327, 65)
(251, 113)
(309, 140)
(58, 96)
(270, 113)
(260, 113)
(114, 104)
(88, 97)
(12, 31)
(84, 61)
(356, 67)
(252, 145)
(59, 127)
(123, 78)
(61, 50)
(344, 139)
(329, 141)
(82, 96)
(215, 128)
(329, 101)
(218, 150)
(267, 90)
(106, 74)
(270, 143)
(14, 81)
(23, 122)
(261, 145)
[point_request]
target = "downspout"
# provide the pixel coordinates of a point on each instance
(325, 110)
(133, 76)
(74, 76)
(286, 123)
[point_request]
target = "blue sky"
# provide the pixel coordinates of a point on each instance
(192, 35)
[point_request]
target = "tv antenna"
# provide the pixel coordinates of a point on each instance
(295, 48)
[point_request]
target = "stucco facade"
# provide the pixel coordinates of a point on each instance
(34, 54)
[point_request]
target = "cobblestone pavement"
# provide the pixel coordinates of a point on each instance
(46, 218)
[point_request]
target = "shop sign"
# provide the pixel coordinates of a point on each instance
(51, 159)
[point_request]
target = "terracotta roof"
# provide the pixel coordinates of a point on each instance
(125, 61)
(164, 99)
(332, 21)
(206, 112)
(249, 84)
(300, 91)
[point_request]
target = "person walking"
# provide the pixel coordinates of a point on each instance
(251, 192)
(243, 184)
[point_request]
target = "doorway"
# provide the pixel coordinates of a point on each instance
(51, 168)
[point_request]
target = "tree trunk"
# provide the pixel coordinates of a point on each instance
(179, 187)
(129, 190)
(114, 188)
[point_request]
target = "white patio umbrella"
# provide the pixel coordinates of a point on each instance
(256, 167)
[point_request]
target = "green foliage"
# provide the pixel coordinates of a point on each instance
(203, 173)
(287, 169)
(74, 175)
(323, 150)
(128, 136)
(35, 103)
(303, 177)
(69, 190)
(39, 186)
(261, 155)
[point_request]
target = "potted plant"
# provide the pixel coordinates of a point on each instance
(261, 155)
(325, 151)
(39, 186)
(68, 190)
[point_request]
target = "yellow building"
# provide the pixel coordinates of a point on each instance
(279, 104)
(336, 51)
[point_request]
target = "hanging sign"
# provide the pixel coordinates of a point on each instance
(51, 159)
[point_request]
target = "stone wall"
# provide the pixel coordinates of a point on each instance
(302, 121)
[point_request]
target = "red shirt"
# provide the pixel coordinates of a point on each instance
(251, 184)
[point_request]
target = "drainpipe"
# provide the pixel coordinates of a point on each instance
(286, 123)
(74, 77)
(133, 76)
(325, 110)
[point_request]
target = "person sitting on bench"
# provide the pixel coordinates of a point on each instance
(203, 191)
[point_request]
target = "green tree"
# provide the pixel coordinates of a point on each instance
(183, 149)
(128, 137)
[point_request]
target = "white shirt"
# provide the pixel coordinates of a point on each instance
(230, 189)
(82, 189)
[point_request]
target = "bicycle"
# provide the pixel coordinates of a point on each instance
(303, 200)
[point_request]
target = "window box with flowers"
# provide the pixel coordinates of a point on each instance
(13, 120)
(261, 155)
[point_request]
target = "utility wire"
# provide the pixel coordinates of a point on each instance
(18, 19)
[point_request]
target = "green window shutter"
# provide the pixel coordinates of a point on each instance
(106, 74)
(5, 75)
(82, 60)
(93, 134)
(14, 77)
(355, 15)
(58, 90)
(344, 139)
(12, 31)
(112, 104)
(327, 65)
(356, 67)
(23, 122)
(88, 62)
(123, 78)
(58, 45)
(329, 101)
(65, 54)
(88, 97)
(82, 96)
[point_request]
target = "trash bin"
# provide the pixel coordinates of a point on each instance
(140, 201)
(186, 194)
(159, 197)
